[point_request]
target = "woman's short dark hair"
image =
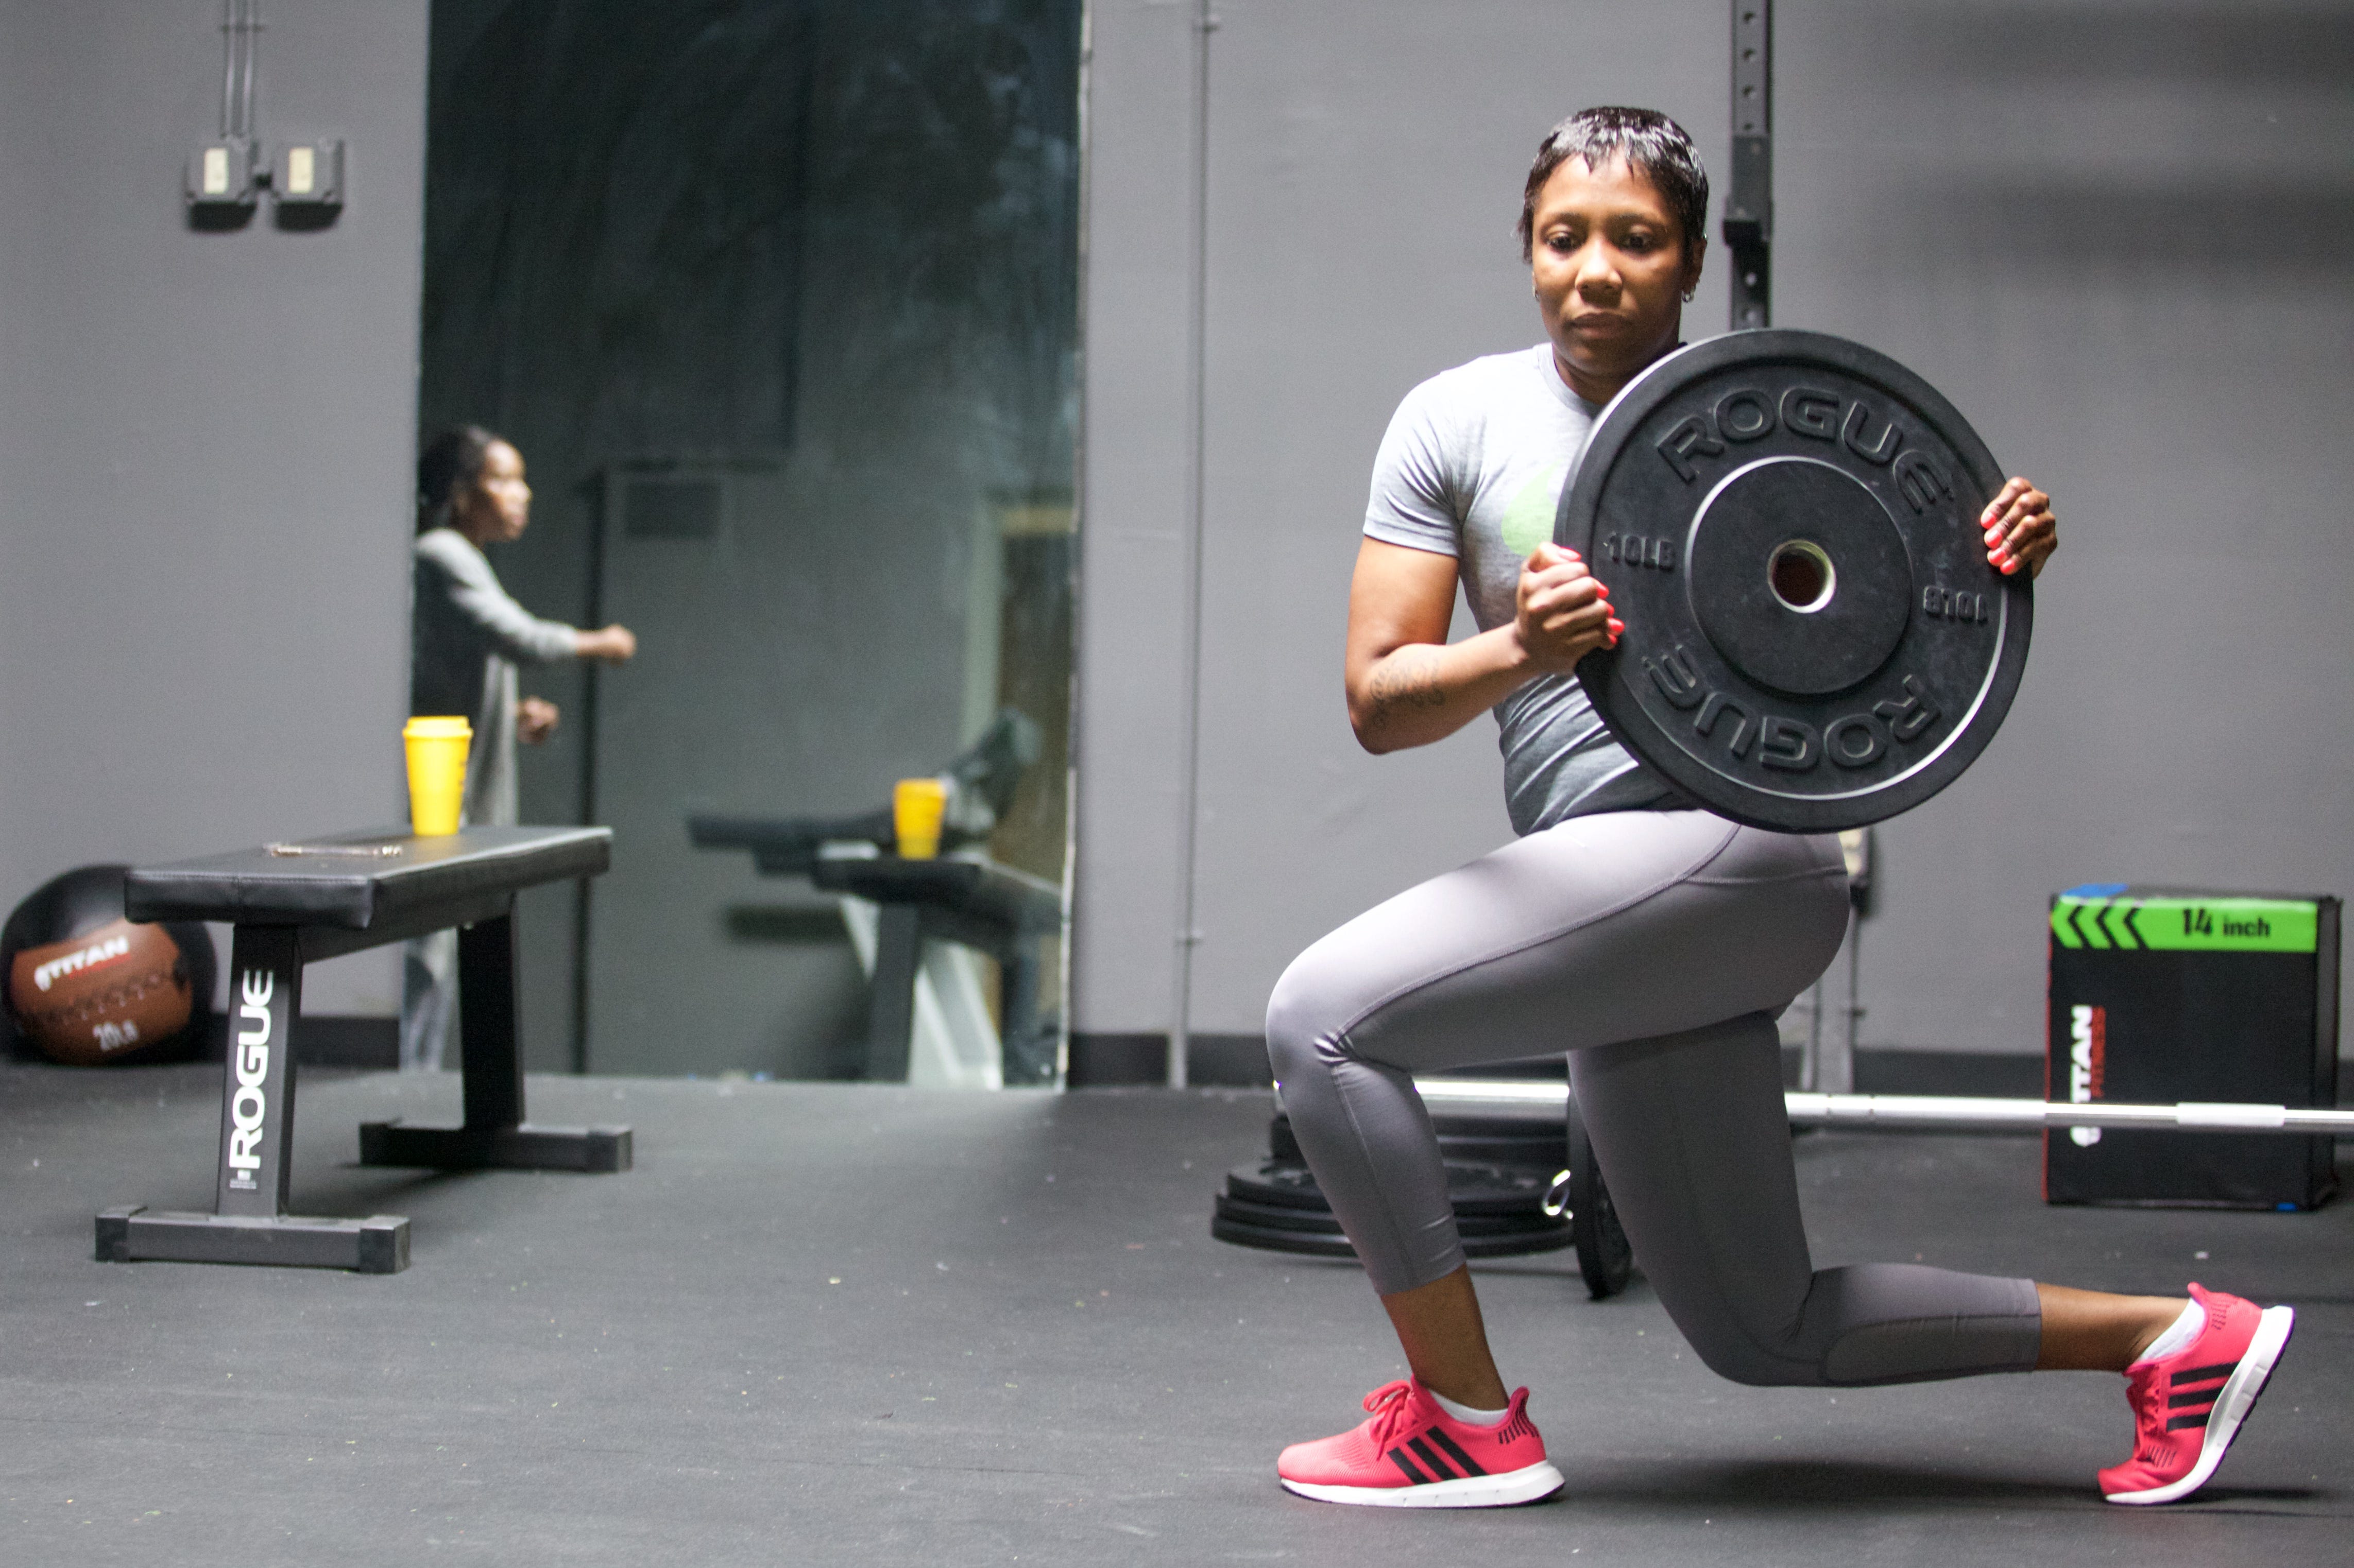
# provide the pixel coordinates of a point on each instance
(1652, 143)
(451, 462)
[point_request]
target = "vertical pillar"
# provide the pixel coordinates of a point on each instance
(1026, 1057)
(891, 1016)
(1749, 199)
(492, 1041)
(265, 996)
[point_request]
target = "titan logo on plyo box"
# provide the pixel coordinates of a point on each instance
(89, 957)
(2088, 1063)
(247, 1109)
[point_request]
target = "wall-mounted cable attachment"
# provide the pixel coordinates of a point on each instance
(309, 175)
(225, 174)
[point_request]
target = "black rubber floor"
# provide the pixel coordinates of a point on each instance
(827, 1324)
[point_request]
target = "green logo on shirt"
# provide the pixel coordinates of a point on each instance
(1527, 518)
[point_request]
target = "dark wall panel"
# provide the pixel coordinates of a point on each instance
(823, 252)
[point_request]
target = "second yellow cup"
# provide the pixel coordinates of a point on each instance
(916, 807)
(437, 773)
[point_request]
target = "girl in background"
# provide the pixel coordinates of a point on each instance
(467, 636)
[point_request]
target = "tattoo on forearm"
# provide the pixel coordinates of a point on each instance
(1404, 681)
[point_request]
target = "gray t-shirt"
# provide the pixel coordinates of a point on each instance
(1473, 467)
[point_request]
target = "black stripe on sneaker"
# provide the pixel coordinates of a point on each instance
(2196, 1418)
(2200, 1374)
(2196, 1396)
(1397, 1457)
(1432, 1461)
(1470, 1466)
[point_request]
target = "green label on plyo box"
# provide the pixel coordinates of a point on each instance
(2184, 924)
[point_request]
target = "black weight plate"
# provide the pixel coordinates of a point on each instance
(1303, 1242)
(1472, 1188)
(1788, 525)
(1279, 1182)
(1282, 1217)
(1314, 1246)
(1472, 1140)
(1547, 1154)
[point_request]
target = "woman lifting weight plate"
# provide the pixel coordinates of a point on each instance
(1654, 942)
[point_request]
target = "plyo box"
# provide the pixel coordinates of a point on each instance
(2164, 995)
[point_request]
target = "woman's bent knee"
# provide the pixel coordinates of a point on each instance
(1297, 1015)
(1291, 1027)
(1754, 1366)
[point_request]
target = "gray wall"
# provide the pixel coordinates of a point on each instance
(205, 445)
(2117, 236)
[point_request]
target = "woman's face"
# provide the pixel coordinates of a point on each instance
(496, 507)
(1607, 258)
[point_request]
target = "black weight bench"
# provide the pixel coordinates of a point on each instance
(292, 905)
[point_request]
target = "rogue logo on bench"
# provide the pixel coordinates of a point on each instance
(250, 1106)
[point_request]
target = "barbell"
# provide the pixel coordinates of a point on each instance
(1606, 1261)
(1526, 1101)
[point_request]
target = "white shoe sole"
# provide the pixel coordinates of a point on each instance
(2237, 1397)
(1533, 1484)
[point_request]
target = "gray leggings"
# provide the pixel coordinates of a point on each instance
(1656, 948)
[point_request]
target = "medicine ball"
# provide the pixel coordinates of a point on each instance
(85, 986)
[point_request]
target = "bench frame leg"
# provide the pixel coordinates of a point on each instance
(491, 1042)
(250, 1223)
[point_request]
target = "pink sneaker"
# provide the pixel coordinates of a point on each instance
(2188, 1406)
(1412, 1454)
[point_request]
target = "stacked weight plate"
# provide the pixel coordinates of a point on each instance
(1497, 1174)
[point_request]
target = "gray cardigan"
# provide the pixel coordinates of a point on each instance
(467, 636)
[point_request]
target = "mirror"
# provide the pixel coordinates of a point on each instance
(779, 301)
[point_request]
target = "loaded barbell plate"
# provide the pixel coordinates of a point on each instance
(1316, 1245)
(1321, 1221)
(1605, 1258)
(1788, 523)
(1471, 1189)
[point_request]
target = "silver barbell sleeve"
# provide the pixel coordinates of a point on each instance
(1505, 1100)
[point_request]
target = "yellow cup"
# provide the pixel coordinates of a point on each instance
(916, 807)
(437, 773)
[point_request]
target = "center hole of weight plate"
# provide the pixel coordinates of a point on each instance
(1801, 575)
